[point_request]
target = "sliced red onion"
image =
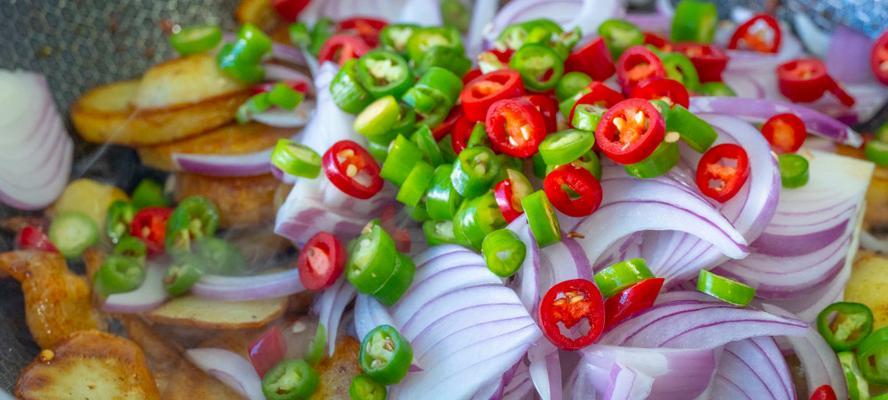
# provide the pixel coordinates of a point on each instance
(759, 110)
(35, 150)
(694, 320)
(369, 314)
(280, 118)
(150, 295)
(287, 53)
(249, 164)
(282, 176)
(482, 13)
(243, 288)
(230, 368)
(528, 282)
(545, 369)
(465, 327)
(817, 359)
(845, 59)
(753, 369)
(420, 12)
(330, 305)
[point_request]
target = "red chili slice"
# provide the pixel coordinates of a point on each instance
(785, 132)
(341, 48)
(593, 59)
(515, 127)
(722, 171)
(471, 75)
(483, 91)
(805, 80)
(630, 131)
(631, 301)
(548, 106)
(599, 94)
(149, 224)
(637, 65)
(879, 58)
(362, 27)
(760, 33)
(448, 124)
(657, 41)
(572, 314)
(297, 85)
(824, 392)
(505, 199)
(504, 56)
(33, 238)
(267, 350)
(710, 61)
(462, 131)
(352, 169)
(573, 190)
(670, 90)
(289, 9)
(321, 261)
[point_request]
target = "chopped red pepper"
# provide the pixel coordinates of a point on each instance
(657, 41)
(462, 131)
(487, 89)
(572, 314)
(630, 131)
(505, 199)
(637, 65)
(573, 190)
(149, 224)
(593, 59)
(448, 124)
(321, 261)
(297, 85)
(805, 80)
(879, 58)
(504, 56)
(362, 27)
(785, 132)
(515, 127)
(289, 9)
(351, 168)
(631, 301)
(760, 33)
(341, 48)
(669, 90)
(722, 171)
(267, 350)
(598, 94)
(32, 237)
(471, 75)
(824, 392)
(710, 61)
(548, 107)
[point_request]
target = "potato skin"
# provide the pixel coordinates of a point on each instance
(88, 365)
(242, 201)
(869, 285)
(197, 312)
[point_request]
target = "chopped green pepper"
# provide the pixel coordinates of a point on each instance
(384, 73)
(290, 380)
(149, 193)
(72, 232)
(377, 119)
(680, 68)
(844, 325)
(434, 94)
(385, 355)
(858, 388)
(793, 170)
(696, 132)
(119, 217)
(694, 21)
(316, 348)
(446, 146)
(570, 84)
(540, 66)
(619, 35)
(474, 171)
(322, 30)
(296, 159)
(455, 14)
(503, 252)
(195, 217)
(363, 387)
(541, 218)
(449, 58)
(587, 116)
(402, 155)
(182, 274)
(438, 232)
(566, 146)
(442, 200)
(416, 183)
(423, 39)
(727, 290)
(425, 142)
(476, 218)
(395, 36)
(621, 275)
(131, 247)
(877, 152)
(664, 157)
(532, 31)
(256, 104)
(347, 91)
(716, 89)
(196, 39)
(371, 259)
(219, 257)
(285, 97)
(396, 284)
(118, 274)
(872, 355)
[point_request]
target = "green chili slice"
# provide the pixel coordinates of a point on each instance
(619, 35)
(724, 289)
(384, 73)
(395, 36)
(503, 252)
(621, 275)
(290, 380)
(793, 170)
(402, 156)
(396, 284)
(566, 146)
(540, 66)
(694, 21)
(858, 388)
(118, 274)
(232, 64)
(446, 146)
(442, 200)
(196, 39)
(219, 257)
(149, 193)
(363, 387)
(182, 274)
(256, 104)
(872, 356)
(587, 116)
(385, 355)
(425, 142)
(449, 58)
(118, 219)
(423, 39)
(476, 218)
(316, 348)
(378, 118)
(72, 232)
(371, 259)
(296, 159)
(696, 132)
(131, 247)
(716, 89)
(844, 325)
(541, 218)
(532, 31)
(195, 217)
(416, 183)
(680, 68)
(474, 171)
(877, 152)
(285, 97)
(347, 91)
(438, 232)
(664, 157)
(570, 84)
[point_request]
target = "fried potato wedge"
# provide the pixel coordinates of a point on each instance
(336, 372)
(869, 285)
(88, 365)
(259, 13)
(242, 202)
(229, 139)
(57, 301)
(193, 311)
(172, 101)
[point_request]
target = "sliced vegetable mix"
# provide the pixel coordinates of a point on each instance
(572, 314)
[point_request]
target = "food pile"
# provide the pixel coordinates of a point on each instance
(551, 199)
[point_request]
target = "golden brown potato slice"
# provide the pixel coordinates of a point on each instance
(876, 196)
(259, 13)
(198, 312)
(243, 202)
(88, 365)
(869, 285)
(229, 139)
(174, 100)
(57, 301)
(337, 371)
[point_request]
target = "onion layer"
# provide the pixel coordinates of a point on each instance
(230, 368)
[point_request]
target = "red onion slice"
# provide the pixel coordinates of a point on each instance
(330, 305)
(243, 288)
(483, 12)
(35, 150)
(230, 368)
(420, 12)
(250, 164)
(754, 369)
(545, 369)
(847, 55)
(369, 313)
(280, 118)
(150, 295)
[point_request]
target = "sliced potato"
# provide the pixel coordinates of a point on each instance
(337, 371)
(174, 100)
(869, 285)
(229, 139)
(89, 197)
(876, 196)
(259, 13)
(243, 202)
(198, 312)
(57, 301)
(88, 365)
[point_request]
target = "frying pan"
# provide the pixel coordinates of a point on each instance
(79, 44)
